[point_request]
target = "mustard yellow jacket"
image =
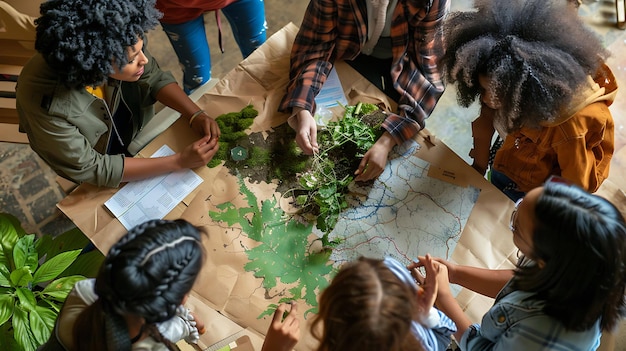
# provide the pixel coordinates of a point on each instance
(578, 146)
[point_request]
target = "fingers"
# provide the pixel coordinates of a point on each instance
(290, 320)
(432, 268)
(199, 323)
(284, 331)
(417, 275)
(278, 314)
(367, 170)
(304, 142)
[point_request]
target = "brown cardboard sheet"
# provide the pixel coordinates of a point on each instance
(223, 284)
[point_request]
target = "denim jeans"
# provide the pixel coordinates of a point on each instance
(247, 20)
(506, 185)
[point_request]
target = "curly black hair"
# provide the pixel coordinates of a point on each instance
(536, 53)
(81, 39)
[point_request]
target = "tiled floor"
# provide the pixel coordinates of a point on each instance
(29, 190)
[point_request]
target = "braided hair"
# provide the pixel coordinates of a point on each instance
(146, 273)
(82, 39)
(536, 53)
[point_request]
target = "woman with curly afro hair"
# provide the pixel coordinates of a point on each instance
(91, 88)
(543, 86)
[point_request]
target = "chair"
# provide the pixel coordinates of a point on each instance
(17, 39)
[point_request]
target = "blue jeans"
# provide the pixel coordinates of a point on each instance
(506, 185)
(247, 20)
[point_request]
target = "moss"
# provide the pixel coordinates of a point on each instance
(214, 162)
(249, 112)
(244, 123)
(233, 136)
(220, 155)
(259, 157)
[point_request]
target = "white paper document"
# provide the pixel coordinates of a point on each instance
(152, 198)
(331, 93)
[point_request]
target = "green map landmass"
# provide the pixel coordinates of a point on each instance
(284, 252)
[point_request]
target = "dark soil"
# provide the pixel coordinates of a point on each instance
(280, 144)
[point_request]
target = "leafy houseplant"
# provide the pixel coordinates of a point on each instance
(29, 306)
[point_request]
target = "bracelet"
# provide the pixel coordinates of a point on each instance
(196, 114)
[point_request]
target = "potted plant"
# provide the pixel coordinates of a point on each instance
(36, 274)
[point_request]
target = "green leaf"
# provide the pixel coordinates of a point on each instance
(6, 307)
(41, 323)
(87, 264)
(71, 240)
(43, 244)
(26, 298)
(10, 232)
(21, 277)
(51, 304)
(24, 253)
(328, 190)
(59, 288)
(7, 342)
(21, 330)
(54, 266)
(5, 276)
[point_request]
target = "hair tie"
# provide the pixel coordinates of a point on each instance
(165, 246)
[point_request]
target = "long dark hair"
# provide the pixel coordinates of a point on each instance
(147, 273)
(536, 53)
(582, 240)
(366, 307)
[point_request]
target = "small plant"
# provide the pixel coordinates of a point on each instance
(34, 281)
(341, 146)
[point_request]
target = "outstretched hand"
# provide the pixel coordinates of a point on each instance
(284, 333)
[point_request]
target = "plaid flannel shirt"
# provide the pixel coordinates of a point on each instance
(337, 29)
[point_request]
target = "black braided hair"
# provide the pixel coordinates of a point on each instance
(82, 39)
(153, 287)
(536, 53)
(146, 273)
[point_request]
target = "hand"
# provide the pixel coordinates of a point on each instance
(441, 273)
(283, 334)
(199, 153)
(451, 267)
(206, 126)
(373, 163)
(199, 323)
(428, 286)
(306, 131)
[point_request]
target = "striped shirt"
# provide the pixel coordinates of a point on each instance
(337, 30)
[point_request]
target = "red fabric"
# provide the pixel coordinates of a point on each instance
(179, 11)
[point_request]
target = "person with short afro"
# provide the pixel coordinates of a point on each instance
(540, 76)
(92, 87)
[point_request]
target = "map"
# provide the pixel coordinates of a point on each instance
(405, 214)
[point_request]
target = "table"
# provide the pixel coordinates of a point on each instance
(224, 285)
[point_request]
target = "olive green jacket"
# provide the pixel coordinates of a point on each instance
(70, 128)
